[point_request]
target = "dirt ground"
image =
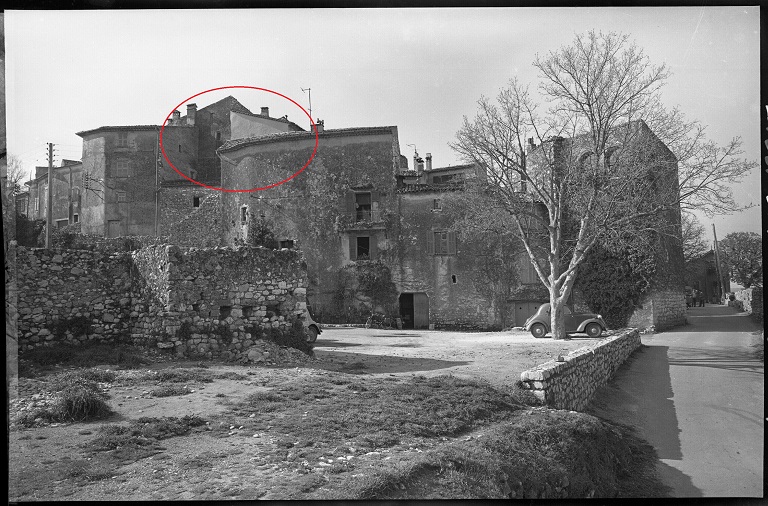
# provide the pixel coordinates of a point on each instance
(246, 461)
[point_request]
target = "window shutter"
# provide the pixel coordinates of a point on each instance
(431, 242)
(350, 203)
(373, 250)
(375, 196)
(451, 243)
(352, 247)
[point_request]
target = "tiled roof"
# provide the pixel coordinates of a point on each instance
(234, 144)
(452, 167)
(118, 128)
(281, 120)
(232, 105)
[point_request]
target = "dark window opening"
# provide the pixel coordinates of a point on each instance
(363, 248)
(288, 243)
(247, 311)
(224, 311)
(243, 214)
(195, 307)
(218, 136)
(363, 206)
(453, 278)
(179, 148)
(437, 204)
(195, 201)
(75, 218)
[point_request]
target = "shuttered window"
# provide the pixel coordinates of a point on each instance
(441, 242)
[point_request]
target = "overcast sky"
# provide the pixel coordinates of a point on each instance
(419, 69)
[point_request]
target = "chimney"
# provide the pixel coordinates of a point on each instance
(265, 111)
(175, 118)
(320, 124)
(191, 112)
(419, 163)
(429, 161)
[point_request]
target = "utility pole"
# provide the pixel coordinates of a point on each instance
(717, 262)
(49, 203)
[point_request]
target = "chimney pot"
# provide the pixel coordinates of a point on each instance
(191, 113)
(265, 111)
(320, 125)
(429, 161)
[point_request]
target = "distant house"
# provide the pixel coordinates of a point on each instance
(701, 274)
(67, 194)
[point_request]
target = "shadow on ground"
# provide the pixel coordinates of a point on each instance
(361, 363)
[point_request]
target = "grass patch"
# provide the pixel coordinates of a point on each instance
(417, 407)
(178, 375)
(537, 454)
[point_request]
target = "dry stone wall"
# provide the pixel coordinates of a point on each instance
(571, 383)
(217, 302)
(71, 295)
(193, 302)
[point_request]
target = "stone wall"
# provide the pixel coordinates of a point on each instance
(195, 302)
(749, 300)
(71, 238)
(58, 288)
(571, 383)
(190, 215)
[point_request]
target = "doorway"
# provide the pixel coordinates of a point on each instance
(414, 310)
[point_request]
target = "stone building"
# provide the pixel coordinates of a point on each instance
(701, 274)
(67, 194)
(132, 190)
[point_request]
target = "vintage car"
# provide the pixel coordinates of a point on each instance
(312, 328)
(591, 324)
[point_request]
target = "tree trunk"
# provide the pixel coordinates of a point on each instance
(556, 320)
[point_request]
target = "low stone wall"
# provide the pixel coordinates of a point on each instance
(661, 308)
(60, 290)
(749, 300)
(193, 302)
(571, 383)
(70, 238)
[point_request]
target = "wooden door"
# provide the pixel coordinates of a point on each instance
(420, 311)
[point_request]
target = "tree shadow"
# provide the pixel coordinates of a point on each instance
(340, 361)
(640, 395)
(722, 357)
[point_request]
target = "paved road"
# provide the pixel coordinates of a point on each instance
(696, 394)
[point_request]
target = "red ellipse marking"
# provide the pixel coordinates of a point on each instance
(314, 152)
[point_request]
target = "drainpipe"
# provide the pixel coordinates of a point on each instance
(157, 187)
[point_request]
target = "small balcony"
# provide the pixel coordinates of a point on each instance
(361, 219)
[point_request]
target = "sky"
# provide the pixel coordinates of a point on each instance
(421, 70)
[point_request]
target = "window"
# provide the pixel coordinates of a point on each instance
(441, 242)
(122, 196)
(363, 206)
(193, 174)
(453, 279)
(243, 215)
(121, 168)
(248, 311)
(75, 218)
(288, 243)
(528, 274)
(218, 136)
(363, 248)
(437, 204)
(122, 139)
(224, 312)
(195, 201)
(62, 223)
(179, 148)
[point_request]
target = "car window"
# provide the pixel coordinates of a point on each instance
(566, 310)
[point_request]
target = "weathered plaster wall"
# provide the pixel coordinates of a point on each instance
(749, 300)
(312, 208)
(92, 204)
(571, 383)
(243, 125)
(465, 303)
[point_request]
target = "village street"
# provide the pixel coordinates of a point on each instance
(696, 394)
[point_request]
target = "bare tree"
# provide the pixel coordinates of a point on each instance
(16, 175)
(693, 236)
(596, 169)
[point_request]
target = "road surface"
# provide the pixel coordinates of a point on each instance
(696, 394)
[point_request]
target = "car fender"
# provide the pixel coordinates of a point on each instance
(587, 322)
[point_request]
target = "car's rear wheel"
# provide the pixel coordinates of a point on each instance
(538, 330)
(593, 330)
(311, 334)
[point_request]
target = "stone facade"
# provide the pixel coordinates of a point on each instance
(67, 194)
(571, 383)
(190, 215)
(198, 302)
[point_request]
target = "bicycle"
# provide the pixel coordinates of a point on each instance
(380, 321)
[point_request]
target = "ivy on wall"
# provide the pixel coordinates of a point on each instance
(614, 279)
(361, 287)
